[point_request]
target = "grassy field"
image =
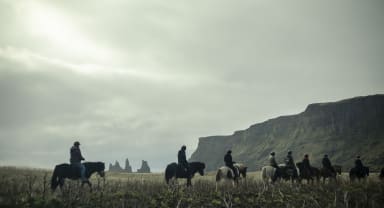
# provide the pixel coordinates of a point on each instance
(31, 188)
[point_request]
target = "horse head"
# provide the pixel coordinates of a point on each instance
(201, 169)
(101, 171)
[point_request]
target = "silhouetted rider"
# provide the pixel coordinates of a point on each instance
(290, 164)
(182, 159)
(272, 160)
(327, 164)
(358, 164)
(273, 163)
(76, 159)
(306, 164)
(229, 162)
(289, 160)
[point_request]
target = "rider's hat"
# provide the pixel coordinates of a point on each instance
(358, 156)
(272, 153)
(289, 152)
(325, 155)
(76, 143)
(229, 151)
(184, 147)
(306, 155)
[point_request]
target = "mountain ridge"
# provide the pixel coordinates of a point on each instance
(341, 129)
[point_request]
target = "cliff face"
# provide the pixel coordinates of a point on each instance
(341, 129)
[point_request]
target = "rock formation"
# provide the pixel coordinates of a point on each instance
(127, 168)
(116, 167)
(144, 167)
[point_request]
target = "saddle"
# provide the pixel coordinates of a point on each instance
(182, 170)
(75, 170)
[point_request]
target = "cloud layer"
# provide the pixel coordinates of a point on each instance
(139, 79)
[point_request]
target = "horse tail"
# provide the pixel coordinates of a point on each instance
(168, 173)
(264, 174)
(244, 173)
(55, 178)
(218, 175)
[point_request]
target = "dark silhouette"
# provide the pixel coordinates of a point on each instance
(359, 171)
(308, 173)
(287, 173)
(306, 164)
(358, 164)
(229, 163)
(63, 171)
(290, 164)
(328, 173)
(173, 170)
(273, 163)
(182, 159)
(327, 165)
(355, 173)
(381, 176)
(76, 158)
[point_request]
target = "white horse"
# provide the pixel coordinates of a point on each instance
(225, 176)
(242, 170)
(268, 173)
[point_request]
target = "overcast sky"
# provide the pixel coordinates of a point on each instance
(137, 79)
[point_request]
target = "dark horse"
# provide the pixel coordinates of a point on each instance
(174, 171)
(286, 173)
(381, 176)
(63, 171)
(327, 173)
(355, 173)
(309, 175)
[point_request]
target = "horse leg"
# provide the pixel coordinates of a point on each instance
(189, 182)
(61, 182)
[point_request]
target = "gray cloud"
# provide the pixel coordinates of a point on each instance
(139, 79)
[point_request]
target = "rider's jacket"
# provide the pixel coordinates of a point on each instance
(289, 161)
(76, 156)
(326, 163)
(181, 158)
(272, 161)
(228, 160)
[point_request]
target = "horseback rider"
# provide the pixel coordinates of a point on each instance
(76, 158)
(327, 164)
(289, 160)
(272, 160)
(182, 159)
(306, 164)
(229, 162)
(290, 164)
(273, 163)
(359, 165)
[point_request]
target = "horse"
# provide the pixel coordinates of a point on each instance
(354, 173)
(288, 173)
(242, 169)
(268, 173)
(271, 173)
(337, 169)
(308, 174)
(175, 171)
(327, 173)
(226, 175)
(63, 171)
(381, 176)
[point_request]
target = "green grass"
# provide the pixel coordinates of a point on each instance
(30, 188)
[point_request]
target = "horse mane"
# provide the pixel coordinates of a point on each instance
(95, 165)
(198, 165)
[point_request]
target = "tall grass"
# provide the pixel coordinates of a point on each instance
(30, 188)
